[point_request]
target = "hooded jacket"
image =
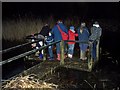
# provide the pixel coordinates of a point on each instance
(56, 33)
(95, 33)
(84, 36)
(71, 36)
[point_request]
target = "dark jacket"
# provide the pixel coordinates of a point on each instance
(95, 33)
(45, 31)
(56, 33)
(84, 36)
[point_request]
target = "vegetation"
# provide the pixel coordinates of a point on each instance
(17, 29)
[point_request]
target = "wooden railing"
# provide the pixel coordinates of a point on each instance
(90, 60)
(26, 53)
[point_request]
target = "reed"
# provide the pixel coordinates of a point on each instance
(17, 29)
(21, 27)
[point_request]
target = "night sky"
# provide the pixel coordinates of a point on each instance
(61, 9)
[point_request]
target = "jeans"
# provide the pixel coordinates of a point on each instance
(94, 50)
(71, 48)
(58, 48)
(50, 51)
(83, 47)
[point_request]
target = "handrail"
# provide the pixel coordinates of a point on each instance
(90, 64)
(76, 41)
(90, 59)
(12, 48)
(26, 53)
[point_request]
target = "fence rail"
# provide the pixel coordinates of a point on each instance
(18, 46)
(90, 64)
(25, 54)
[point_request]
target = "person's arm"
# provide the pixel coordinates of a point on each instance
(76, 34)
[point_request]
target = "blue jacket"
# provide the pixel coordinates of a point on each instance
(56, 33)
(95, 33)
(84, 36)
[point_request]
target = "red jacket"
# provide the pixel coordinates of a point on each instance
(71, 36)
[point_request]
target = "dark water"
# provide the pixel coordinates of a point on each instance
(106, 74)
(70, 78)
(16, 66)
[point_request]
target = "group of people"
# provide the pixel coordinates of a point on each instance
(60, 32)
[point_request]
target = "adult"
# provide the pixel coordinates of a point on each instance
(83, 36)
(57, 35)
(42, 35)
(96, 32)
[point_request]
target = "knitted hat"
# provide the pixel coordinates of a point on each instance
(96, 22)
(83, 24)
(72, 28)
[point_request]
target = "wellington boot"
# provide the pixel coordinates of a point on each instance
(58, 57)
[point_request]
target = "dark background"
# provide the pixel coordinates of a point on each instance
(61, 9)
(109, 41)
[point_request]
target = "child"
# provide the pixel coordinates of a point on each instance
(71, 34)
(49, 40)
(37, 46)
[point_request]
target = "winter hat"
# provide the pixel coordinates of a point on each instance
(72, 28)
(96, 24)
(83, 24)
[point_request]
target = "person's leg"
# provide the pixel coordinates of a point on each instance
(70, 50)
(94, 51)
(81, 51)
(50, 52)
(58, 51)
(84, 51)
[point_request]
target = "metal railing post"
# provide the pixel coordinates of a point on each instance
(62, 52)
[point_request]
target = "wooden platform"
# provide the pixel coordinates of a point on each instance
(75, 63)
(48, 67)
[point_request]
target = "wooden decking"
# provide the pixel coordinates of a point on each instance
(48, 67)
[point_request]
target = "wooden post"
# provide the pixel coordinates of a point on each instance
(90, 61)
(97, 50)
(44, 55)
(62, 52)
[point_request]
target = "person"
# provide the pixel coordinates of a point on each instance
(96, 32)
(57, 35)
(43, 35)
(83, 36)
(37, 46)
(45, 30)
(49, 40)
(71, 34)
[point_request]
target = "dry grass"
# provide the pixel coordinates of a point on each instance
(18, 29)
(21, 27)
(30, 82)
